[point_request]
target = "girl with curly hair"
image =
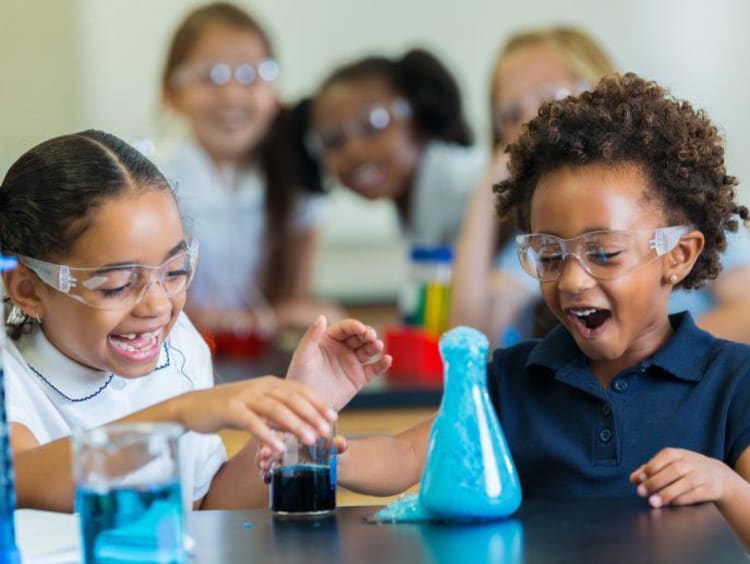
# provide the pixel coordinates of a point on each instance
(490, 290)
(622, 196)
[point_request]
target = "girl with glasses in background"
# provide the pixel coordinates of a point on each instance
(240, 177)
(490, 291)
(394, 129)
(98, 334)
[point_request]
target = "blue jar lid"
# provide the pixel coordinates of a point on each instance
(443, 254)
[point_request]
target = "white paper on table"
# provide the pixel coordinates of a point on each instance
(47, 537)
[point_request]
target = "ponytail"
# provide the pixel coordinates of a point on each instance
(290, 173)
(434, 96)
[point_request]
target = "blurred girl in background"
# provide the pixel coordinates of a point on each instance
(241, 182)
(394, 128)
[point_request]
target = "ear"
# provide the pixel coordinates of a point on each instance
(25, 290)
(171, 100)
(679, 261)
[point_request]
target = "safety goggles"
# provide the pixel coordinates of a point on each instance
(218, 73)
(603, 254)
(120, 286)
(509, 114)
(367, 123)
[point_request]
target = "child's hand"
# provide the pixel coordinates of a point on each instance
(336, 363)
(264, 457)
(680, 477)
(252, 404)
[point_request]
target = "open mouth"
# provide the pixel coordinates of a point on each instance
(366, 178)
(589, 321)
(136, 346)
(233, 119)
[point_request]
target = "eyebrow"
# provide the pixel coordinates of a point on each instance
(181, 246)
(594, 229)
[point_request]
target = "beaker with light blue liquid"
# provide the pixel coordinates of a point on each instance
(469, 474)
(128, 493)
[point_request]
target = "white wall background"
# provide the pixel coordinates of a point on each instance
(74, 64)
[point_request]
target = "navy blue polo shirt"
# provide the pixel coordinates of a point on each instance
(571, 438)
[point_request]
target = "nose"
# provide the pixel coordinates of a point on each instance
(349, 154)
(233, 90)
(573, 276)
(154, 301)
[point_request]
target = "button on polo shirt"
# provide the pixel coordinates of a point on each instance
(572, 438)
(620, 385)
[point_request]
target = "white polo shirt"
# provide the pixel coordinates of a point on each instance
(53, 396)
(226, 211)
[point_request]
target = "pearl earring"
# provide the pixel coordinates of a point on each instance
(673, 278)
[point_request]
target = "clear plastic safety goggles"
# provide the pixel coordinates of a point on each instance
(368, 122)
(603, 254)
(216, 73)
(119, 286)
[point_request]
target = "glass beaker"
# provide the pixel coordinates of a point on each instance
(303, 479)
(128, 493)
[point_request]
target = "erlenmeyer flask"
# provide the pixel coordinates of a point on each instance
(469, 473)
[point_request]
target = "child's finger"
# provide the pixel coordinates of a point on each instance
(247, 420)
(284, 417)
(638, 475)
(661, 459)
(666, 476)
(687, 487)
(366, 352)
(313, 334)
(340, 443)
(347, 328)
(354, 342)
(379, 367)
(305, 409)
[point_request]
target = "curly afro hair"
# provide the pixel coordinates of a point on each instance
(629, 120)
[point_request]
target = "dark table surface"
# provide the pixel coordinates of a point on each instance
(560, 532)
(381, 392)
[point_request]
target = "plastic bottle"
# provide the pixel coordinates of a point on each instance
(425, 299)
(8, 550)
(469, 473)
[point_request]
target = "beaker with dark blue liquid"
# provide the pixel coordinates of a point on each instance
(303, 479)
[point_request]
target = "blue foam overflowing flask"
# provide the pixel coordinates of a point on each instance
(469, 473)
(8, 550)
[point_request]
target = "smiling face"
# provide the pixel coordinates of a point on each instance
(375, 164)
(616, 323)
(228, 120)
(142, 227)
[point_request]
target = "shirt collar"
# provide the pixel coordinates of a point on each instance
(683, 356)
(62, 377)
(59, 374)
